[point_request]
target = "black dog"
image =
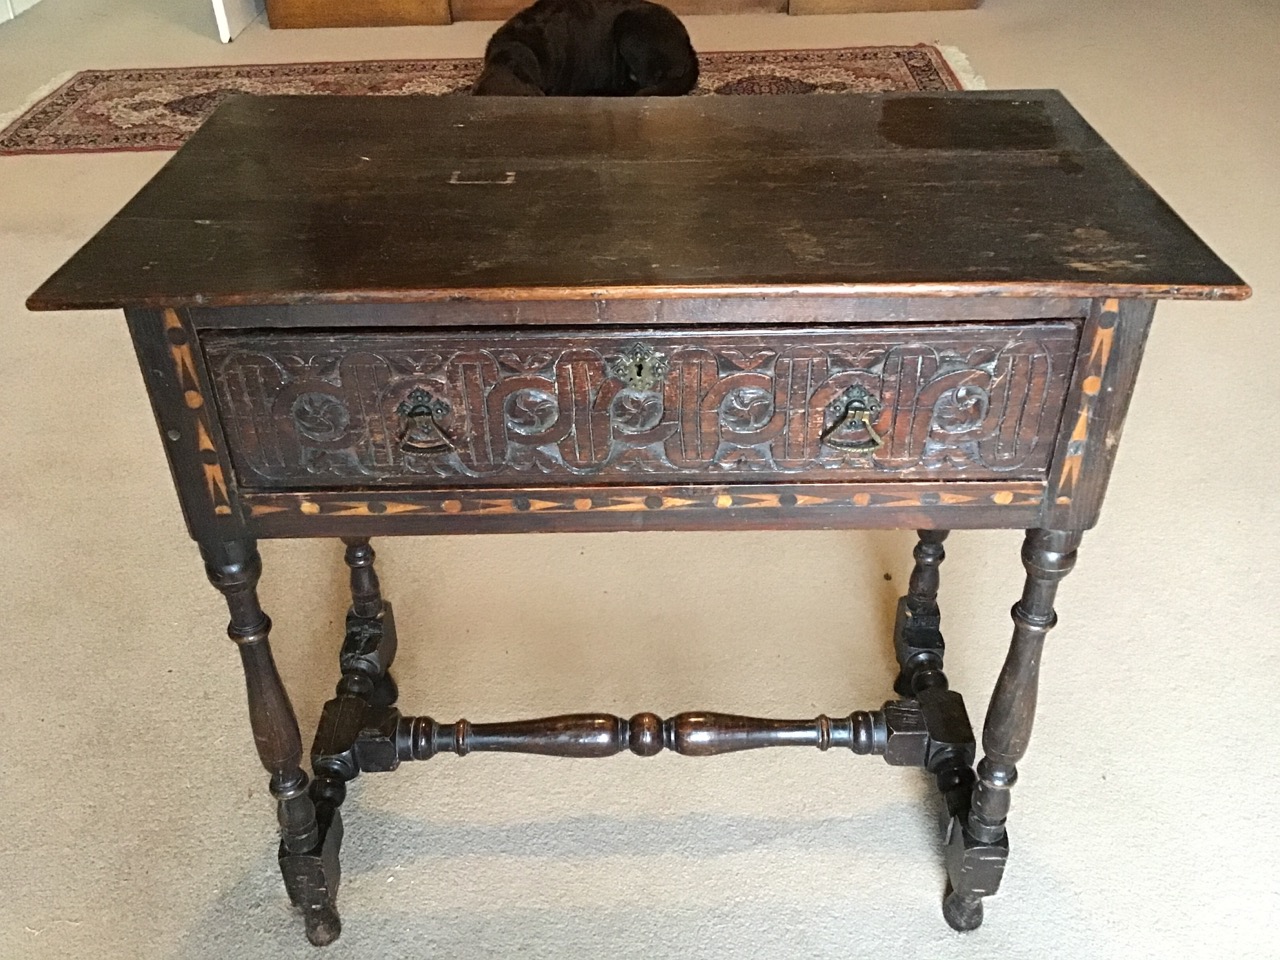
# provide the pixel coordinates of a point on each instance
(589, 48)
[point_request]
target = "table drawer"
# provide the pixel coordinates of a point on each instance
(321, 410)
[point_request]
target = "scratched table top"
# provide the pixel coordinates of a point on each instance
(387, 199)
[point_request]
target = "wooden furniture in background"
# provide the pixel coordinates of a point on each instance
(808, 7)
(400, 13)
(292, 14)
(362, 316)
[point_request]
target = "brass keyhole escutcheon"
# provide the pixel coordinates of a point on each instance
(639, 367)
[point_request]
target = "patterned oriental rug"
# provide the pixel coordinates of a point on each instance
(157, 109)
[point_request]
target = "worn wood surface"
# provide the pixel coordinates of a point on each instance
(281, 200)
(682, 311)
(293, 14)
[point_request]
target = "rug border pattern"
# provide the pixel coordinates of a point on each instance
(925, 62)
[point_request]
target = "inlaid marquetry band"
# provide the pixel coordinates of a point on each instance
(472, 503)
(184, 364)
(1090, 387)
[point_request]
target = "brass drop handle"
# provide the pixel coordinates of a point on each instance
(854, 410)
(423, 431)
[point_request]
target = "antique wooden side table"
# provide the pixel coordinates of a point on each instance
(361, 316)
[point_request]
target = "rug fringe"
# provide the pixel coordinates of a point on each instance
(6, 119)
(959, 63)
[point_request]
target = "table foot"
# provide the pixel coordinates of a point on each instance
(312, 879)
(963, 912)
(324, 927)
(974, 870)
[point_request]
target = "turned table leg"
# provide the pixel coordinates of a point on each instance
(919, 648)
(366, 687)
(917, 634)
(369, 612)
(234, 568)
(978, 844)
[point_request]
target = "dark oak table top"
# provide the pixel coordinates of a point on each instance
(282, 200)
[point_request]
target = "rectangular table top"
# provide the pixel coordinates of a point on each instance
(281, 200)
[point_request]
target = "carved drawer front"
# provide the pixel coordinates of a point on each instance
(965, 402)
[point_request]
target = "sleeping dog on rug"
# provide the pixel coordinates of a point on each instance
(589, 48)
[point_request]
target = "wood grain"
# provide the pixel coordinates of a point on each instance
(641, 312)
(281, 200)
(295, 14)
(807, 7)
(504, 9)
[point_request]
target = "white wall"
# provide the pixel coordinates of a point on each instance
(11, 8)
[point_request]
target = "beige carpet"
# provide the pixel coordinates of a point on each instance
(135, 821)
